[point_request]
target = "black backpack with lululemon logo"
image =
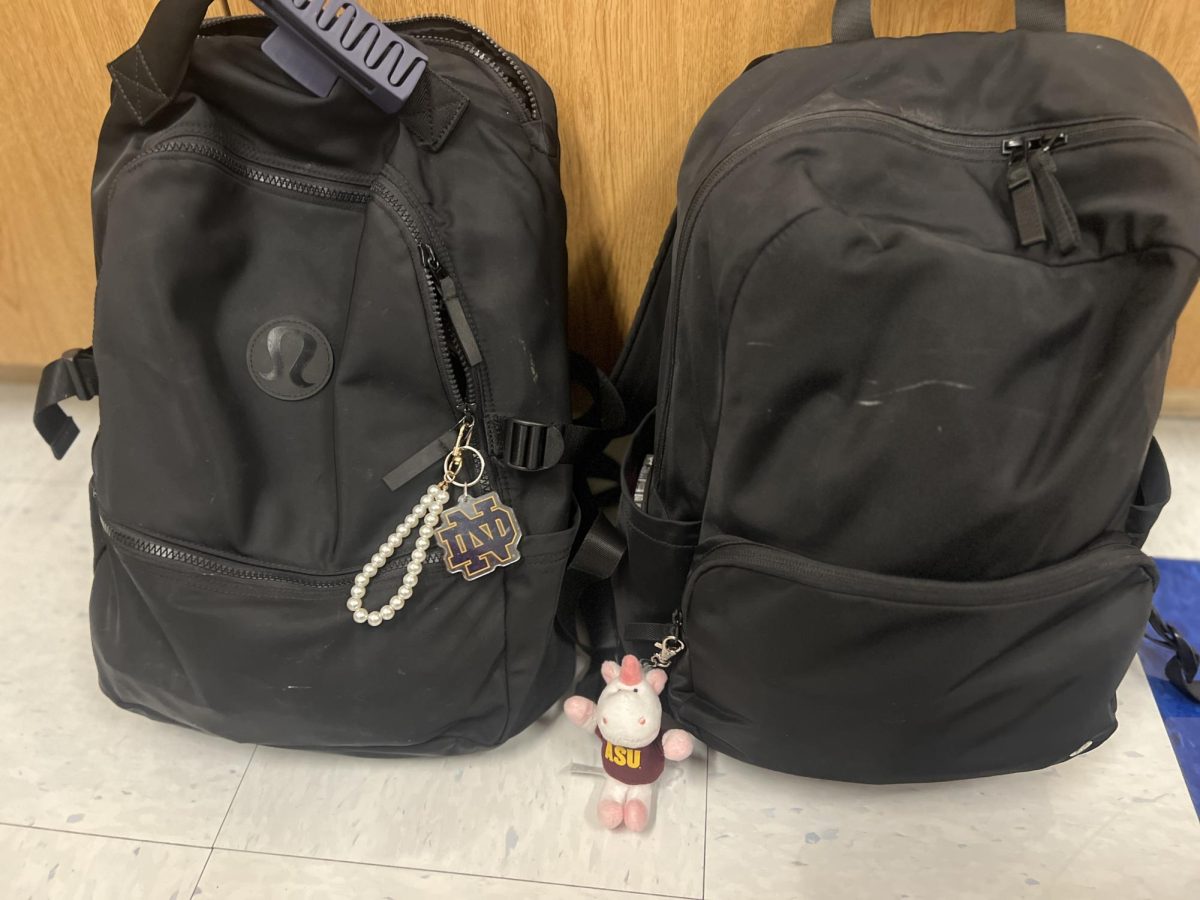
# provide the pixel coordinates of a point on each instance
(318, 298)
(905, 347)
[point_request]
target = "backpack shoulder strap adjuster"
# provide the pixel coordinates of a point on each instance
(532, 446)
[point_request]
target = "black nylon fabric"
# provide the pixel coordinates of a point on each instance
(866, 379)
(229, 522)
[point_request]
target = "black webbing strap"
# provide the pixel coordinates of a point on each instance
(149, 74)
(74, 375)
(1182, 667)
(852, 18)
(594, 561)
(1153, 492)
(537, 446)
(1042, 15)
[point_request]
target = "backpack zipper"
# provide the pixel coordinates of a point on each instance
(1036, 192)
(964, 145)
(525, 100)
(1096, 562)
(147, 546)
(526, 86)
(244, 169)
(457, 351)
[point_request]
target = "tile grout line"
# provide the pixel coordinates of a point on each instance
(225, 818)
(107, 837)
(200, 877)
(348, 862)
(426, 870)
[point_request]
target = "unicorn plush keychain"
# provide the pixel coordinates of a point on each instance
(628, 721)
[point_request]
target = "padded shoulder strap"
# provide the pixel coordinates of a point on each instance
(852, 18)
(636, 372)
(149, 74)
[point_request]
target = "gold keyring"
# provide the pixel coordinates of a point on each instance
(450, 476)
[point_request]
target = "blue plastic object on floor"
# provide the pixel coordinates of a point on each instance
(1178, 599)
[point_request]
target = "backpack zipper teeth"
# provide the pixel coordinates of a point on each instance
(244, 169)
(526, 85)
(1097, 563)
(462, 392)
(258, 175)
(520, 94)
(159, 550)
(947, 142)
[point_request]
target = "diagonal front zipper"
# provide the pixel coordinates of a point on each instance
(958, 145)
(457, 350)
(459, 357)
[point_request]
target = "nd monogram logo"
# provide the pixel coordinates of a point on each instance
(478, 536)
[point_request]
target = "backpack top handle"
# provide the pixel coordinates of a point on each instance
(852, 18)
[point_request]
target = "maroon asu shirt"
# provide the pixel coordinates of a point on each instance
(634, 765)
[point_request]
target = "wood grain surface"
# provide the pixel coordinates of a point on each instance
(631, 78)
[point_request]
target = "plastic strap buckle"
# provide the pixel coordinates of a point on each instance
(83, 386)
(532, 446)
(318, 40)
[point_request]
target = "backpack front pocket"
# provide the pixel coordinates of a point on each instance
(837, 673)
(296, 348)
(271, 656)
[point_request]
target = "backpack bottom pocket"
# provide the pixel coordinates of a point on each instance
(834, 673)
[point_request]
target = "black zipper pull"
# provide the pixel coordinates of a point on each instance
(1026, 207)
(432, 265)
(1063, 222)
(447, 295)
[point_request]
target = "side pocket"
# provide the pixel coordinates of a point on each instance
(541, 658)
(649, 582)
(1153, 493)
(818, 670)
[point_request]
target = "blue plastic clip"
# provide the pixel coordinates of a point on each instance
(317, 41)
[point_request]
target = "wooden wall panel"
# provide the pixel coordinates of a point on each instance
(55, 92)
(631, 78)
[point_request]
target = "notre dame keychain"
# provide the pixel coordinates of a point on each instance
(477, 536)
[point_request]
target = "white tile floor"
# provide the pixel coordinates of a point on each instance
(96, 803)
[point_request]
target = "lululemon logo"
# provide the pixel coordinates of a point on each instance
(290, 359)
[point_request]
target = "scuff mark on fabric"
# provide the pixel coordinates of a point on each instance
(928, 382)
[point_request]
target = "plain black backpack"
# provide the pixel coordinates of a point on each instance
(301, 301)
(905, 348)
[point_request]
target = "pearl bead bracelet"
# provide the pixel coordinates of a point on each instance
(424, 517)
